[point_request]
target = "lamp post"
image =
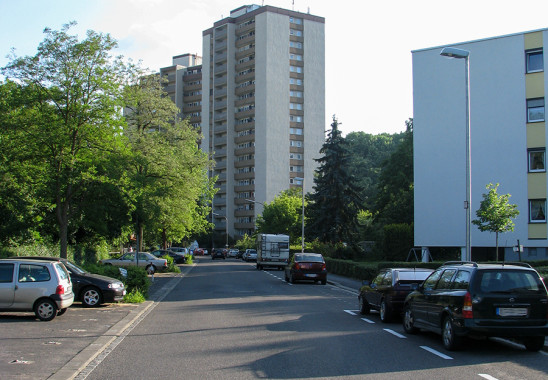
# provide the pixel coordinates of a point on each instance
(301, 179)
(226, 226)
(464, 54)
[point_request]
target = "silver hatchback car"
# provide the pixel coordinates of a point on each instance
(43, 287)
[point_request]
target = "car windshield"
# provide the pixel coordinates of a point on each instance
(413, 275)
(74, 268)
(509, 281)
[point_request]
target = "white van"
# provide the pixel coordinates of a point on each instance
(272, 251)
(43, 287)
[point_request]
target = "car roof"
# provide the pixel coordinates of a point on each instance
(41, 258)
(10, 260)
(502, 265)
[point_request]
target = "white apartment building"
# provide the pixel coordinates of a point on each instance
(508, 141)
(258, 93)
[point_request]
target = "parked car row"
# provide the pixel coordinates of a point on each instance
(462, 299)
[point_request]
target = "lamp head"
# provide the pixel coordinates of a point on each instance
(454, 52)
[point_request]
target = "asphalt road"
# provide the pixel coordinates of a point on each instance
(224, 319)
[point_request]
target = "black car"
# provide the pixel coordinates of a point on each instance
(92, 289)
(177, 257)
(465, 298)
(218, 254)
(388, 289)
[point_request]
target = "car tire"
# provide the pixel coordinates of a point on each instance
(45, 310)
(450, 339)
(62, 311)
(409, 321)
(385, 312)
(534, 343)
(91, 297)
(364, 306)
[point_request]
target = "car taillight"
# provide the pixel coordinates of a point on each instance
(323, 267)
(60, 289)
(467, 306)
(297, 266)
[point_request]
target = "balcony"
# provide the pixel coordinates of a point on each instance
(244, 114)
(220, 69)
(244, 225)
(220, 105)
(244, 163)
(220, 152)
(219, 81)
(244, 139)
(242, 90)
(239, 213)
(220, 128)
(220, 116)
(244, 126)
(220, 57)
(244, 188)
(221, 45)
(219, 141)
(248, 175)
(243, 151)
(240, 54)
(219, 201)
(221, 93)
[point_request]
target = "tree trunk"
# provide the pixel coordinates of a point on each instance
(62, 220)
(164, 238)
(497, 239)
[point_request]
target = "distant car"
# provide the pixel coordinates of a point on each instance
(178, 258)
(199, 252)
(181, 250)
(388, 289)
(91, 289)
(146, 260)
(461, 299)
(217, 254)
(250, 255)
(306, 267)
(43, 287)
(233, 253)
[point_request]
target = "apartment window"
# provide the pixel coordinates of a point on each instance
(294, 32)
(296, 94)
(297, 144)
(295, 156)
(296, 45)
(296, 81)
(535, 110)
(534, 60)
(537, 210)
(295, 20)
(537, 160)
(296, 106)
(296, 131)
(296, 169)
(296, 69)
(295, 119)
(296, 57)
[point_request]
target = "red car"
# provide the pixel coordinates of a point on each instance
(199, 252)
(306, 267)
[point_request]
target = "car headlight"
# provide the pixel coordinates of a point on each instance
(116, 285)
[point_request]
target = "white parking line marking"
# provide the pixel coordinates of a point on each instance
(431, 350)
(367, 320)
(395, 333)
(350, 312)
(488, 377)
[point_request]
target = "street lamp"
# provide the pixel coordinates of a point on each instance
(464, 54)
(226, 226)
(301, 179)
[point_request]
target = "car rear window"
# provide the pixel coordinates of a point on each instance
(309, 258)
(509, 281)
(33, 273)
(413, 276)
(62, 271)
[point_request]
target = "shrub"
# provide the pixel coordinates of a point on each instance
(397, 241)
(135, 296)
(171, 267)
(189, 260)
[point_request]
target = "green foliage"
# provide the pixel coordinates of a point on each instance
(495, 213)
(137, 279)
(246, 242)
(394, 202)
(333, 208)
(135, 296)
(171, 266)
(189, 260)
(63, 123)
(337, 250)
(397, 241)
(283, 215)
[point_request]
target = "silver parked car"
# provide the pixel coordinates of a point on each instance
(146, 260)
(43, 287)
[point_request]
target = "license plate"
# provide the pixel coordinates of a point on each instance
(512, 311)
(311, 275)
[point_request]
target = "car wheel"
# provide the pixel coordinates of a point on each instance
(385, 312)
(91, 297)
(534, 343)
(364, 306)
(409, 321)
(62, 311)
(450, 340)
(45, 310)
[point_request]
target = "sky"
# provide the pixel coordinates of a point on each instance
(368, 42)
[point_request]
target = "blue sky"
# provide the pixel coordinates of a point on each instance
(368, 42)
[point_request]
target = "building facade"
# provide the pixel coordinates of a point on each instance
(508, 141)
(258, 93)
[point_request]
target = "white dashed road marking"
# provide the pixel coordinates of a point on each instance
(488, 377)
(431, 350)
(350, 312)
(367, 320)
(395, 333)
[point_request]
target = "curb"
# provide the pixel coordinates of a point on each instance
(79, 362)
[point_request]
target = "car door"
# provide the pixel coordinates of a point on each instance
(32, 283)
(7, 284)
(420, 300)
(372, 294)
(440, 297)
